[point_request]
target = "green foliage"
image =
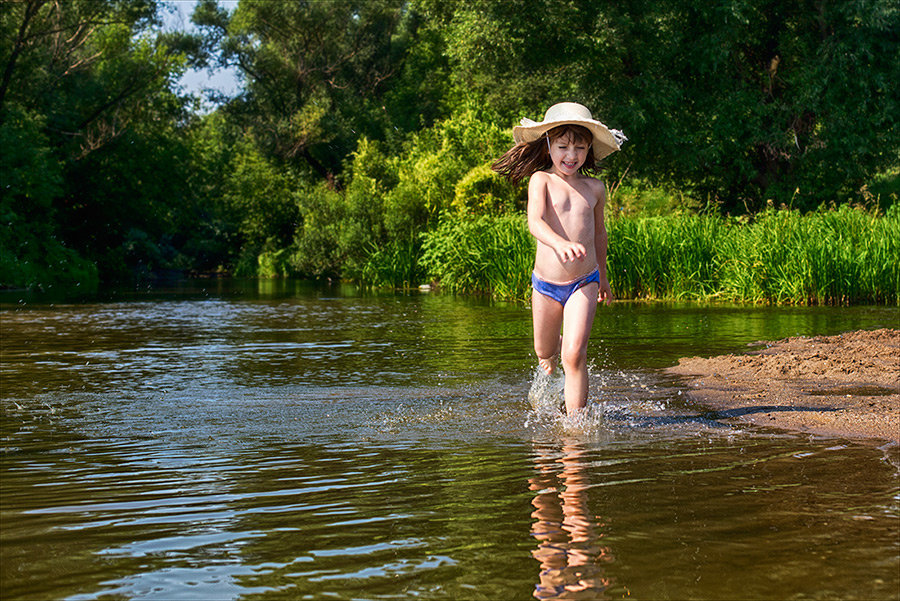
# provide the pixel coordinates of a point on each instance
(103, 181)
(317, 73)
(35, 258)
(827, 257)
(432, 164)
(274, 263)
(365, 130)
(483, 190)
(31, 254)
(486, 253)
(638, 197)
(845, 255)
(371, 231)
(316, 250)
(840, 256)
(30, 175)
(418, 94)
(740, 101)
(395, 264)
(884, 189)
(215, 242)
(362, 226)
(260, 197)
(520, 56)
(121, 211)
(665, 257)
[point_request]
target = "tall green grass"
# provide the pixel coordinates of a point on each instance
(394, 265)
(838, 256)
(665, 257)
(486, 253)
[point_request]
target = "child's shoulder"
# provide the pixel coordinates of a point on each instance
(539, 180)
(546, 178)
(596, 185)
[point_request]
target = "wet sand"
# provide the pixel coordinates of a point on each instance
(845, 386)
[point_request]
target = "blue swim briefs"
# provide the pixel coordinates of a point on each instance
(561, 292)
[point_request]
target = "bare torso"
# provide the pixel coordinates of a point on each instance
(570, 214)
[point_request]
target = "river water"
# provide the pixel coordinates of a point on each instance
(273, 440)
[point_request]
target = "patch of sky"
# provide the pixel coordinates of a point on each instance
(207, 84)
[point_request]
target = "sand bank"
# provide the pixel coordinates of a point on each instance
(844, 386)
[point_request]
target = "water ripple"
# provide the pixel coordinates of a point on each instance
(381, 448)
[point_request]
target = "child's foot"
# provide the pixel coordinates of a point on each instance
(548, 365)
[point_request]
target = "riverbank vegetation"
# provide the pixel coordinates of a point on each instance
(832, 256)
(763, 162)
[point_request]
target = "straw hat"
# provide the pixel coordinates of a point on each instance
(606, 141)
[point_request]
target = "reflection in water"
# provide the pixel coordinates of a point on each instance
(568, 533)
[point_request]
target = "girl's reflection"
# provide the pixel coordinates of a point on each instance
(569, 548)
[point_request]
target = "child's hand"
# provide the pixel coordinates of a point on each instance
(605, 294)
(570, 251)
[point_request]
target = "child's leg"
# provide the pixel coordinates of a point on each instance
(578, 318)
(547, 315)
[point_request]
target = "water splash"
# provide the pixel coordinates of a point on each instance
(620, 403)
(547, 399)
(547, 392)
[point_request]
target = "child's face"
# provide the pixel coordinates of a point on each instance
(568, 154)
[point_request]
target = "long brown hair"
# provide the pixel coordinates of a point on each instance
(526, 158)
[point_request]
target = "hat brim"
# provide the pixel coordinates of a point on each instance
(604, 143)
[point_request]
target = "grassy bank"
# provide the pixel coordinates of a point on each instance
(840, 256)
(491, 254)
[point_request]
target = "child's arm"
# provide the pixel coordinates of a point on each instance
(600, 242)
(565, 250)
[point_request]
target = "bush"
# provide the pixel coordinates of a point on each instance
(31, 255)
(432, 164)
(483, 190)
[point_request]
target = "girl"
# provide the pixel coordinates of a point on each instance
(565, 215)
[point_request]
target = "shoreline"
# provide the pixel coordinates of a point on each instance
(844, 386)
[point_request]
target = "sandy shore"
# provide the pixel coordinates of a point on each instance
(844, 386)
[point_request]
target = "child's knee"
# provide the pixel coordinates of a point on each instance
(545, 350)
(574, 357)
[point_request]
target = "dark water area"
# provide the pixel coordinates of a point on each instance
(277, 440)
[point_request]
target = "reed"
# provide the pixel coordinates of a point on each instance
(482, 254)
(394, 265)
(839, 256)
(836, 256)
(665, 257)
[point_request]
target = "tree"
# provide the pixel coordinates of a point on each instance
(519, 56)
(739, 100)
(751, 100)
(317, 73)
(95, 76)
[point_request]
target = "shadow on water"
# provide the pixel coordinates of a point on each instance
(742, 411)
(286, 441)
(716, 417)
